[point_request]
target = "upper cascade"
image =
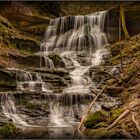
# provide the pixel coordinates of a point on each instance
(76, 33)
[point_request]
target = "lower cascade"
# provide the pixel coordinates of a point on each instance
(10, 111)
(80, 43)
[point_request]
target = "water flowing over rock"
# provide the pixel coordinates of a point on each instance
(60, 89)
(80, 41)
(10, 111)
(27, 81)
(76, 33)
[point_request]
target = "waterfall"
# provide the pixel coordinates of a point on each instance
(80, 41)
(27, 81)
(9, 110)
(46, 61)
(76, 33)
(67, 109)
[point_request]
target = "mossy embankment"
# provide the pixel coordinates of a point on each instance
(21, 31)
(12, 44)
(128, 80)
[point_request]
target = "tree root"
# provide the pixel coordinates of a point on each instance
(130, 107)
(126, 134)
(118, 119)
(136, 123)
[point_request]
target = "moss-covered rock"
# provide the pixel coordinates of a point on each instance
(130, 70)
(95, 118)
(5, 21)
(114, 114)
(103, 133)
(24, 43)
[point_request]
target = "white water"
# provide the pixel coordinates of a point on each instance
(27, 82)
(65, 116)
(10, 112)
(71, 37)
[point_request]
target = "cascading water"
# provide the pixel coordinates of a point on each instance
(9, 110)
(67, 109)
(78, 40)
(76, 33)
(30, 82)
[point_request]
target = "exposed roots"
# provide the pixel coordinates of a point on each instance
(130, 107)
(118, 119)
(136, 123)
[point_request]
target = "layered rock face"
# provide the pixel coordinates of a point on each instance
(49, 86)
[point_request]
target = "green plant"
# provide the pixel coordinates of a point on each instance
(8, 131)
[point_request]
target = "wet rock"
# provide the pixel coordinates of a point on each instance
(59, 71)
(32, 60)
(114, 91)
(8, 86)
(7, 80)
(94, 118)
(7, 75)
(57, 60)
(4, 120)
(110, 105)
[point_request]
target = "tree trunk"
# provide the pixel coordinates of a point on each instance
(122, 19)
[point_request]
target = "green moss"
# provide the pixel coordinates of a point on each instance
(27, 103)
(10, 37)
(94, 118)
(114, 114)
(26, 44)
(8, 131)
